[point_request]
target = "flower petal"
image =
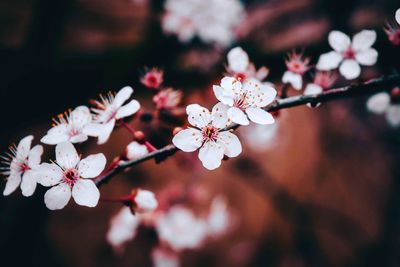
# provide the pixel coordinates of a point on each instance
(127, 110)
(12, 183)
(329, 61)
(238, 60)
(259, 116)
(92, 165)
(268, 95)
(123, 95)
(80, 138)
(231, 144)
(393, 115)
(100, 130)
(367, 57)
(378, 103)
(398, 16)
(80, 116)
(363, 40)
(145, 201)
(28, 184)
(49, 174)
(219, 116)
(24, 146)
(56, 135)
(57, 197)
(339, 41)
(198, 116)
(211, 155)
(237, 116)
(35, 156)
(66, 155)
(294, 79)
(85, 193)
(231, 84)
(224, 95)
(350, 69)
(135, 150)
(312, 89)
(188, 140)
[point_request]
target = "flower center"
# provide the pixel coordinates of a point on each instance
(23, 167)
(240, 102)
(70, 176)
(210, 133)
(349, 54)
(240, 76)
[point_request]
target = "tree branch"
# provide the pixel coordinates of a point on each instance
(385, 83)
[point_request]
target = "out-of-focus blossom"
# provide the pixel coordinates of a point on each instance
(393, 30)
(398, 16)
(21, 165)
(296, 66)
(164, 258)
(259, 137)
(180, 229)
(71, 176)
(246, 100)
(219, 219)
(135, 150)
(208, 133)
(322, 81)
(123, 228)
(110, 109)
(208, 19)
(153, 78)
(349, 55)
(69, 127)
(144, 201)
(167, 98)
(381, 104)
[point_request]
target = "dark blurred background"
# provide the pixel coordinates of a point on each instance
(328, 194)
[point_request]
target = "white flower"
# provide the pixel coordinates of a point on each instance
(398, 16)
(219, 219)
(135, 150)
(349, 54)
(260, 137)
(123, 228)
(180, 229)
(209, 135)
(108, 111)
(21, 164)
(69, 127)
(70, 175)
(145, 201)
(381, 104)
(246, 100)
(296, 66)
(164, 258)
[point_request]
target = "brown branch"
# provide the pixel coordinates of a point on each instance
(385, 83)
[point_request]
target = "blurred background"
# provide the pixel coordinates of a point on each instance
(325, 191)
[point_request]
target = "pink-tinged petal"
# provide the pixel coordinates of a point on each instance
(237, 116)
(268, 95)
(127, 110)
(80, 138)
(92, 165)
(219, 116)
(398, 16)
(35, 156)
(56, 135)
(294, 79)
(66, 155)
(198, 116)
(188, 140)
(363, 40)
(49, 174)
(378, 103)
(12, 183)
(85, 193)
(211, 155)
(339, 41)
(24, 146)
(123, 95)
(238, 60)
(80, 117)
(231, 144)
(28, 184)
(259, 116)
(329, 61)
(367, 57)
(57, 197)
(350, 69)
(312, 89)
(393, 115)
(100, 130)
(225, 96)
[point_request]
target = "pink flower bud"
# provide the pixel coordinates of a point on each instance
(153, 78)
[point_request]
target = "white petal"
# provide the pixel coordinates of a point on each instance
(123, 95)
(85, 193)
(393, 115)
(268, 95)
(28, 184)
(211, 155)
(80, 138)
(92, 165)
(350, 69)
(66, 155)
(363, 40)
(12, 183)
(135, 150)
(237, 116)
(198, 116)
(312, 89)
(145, 201)
(100, 130)
(127, 110)
(339, 41)
(224, 95)
(57, 197)
(80, 116)
(188, 140)
(231, 84)
(56, 135)
(24, 146)
(378, 103)
(398, 16)
(49, 174)
(329, 61)
(259, 116)
(367, 57)
(35, 156)
(219, 116)
(294, 79)
(231, 144)
(238, 60)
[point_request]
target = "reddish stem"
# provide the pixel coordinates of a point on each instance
(130, 129)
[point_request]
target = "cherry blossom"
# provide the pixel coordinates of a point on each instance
(381, 104)
(322, 81)
(167, 98)
(208, 133)
(135, 150)
(145, 201)
(241, 68)
(349, 55)
(70, 176)
(219, 219)
(69, 127)
(162, 257)
(21, 165)
(393, 29)
(153, 78)
(110, 109)
(296, 66)
(259, 137)
(246, 100)
(398, 16)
